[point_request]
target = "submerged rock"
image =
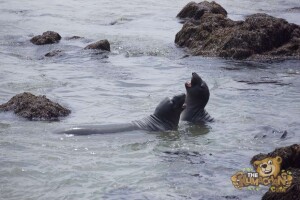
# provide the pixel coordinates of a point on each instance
(293, 9)
(260, 36)
(120, 21)
(100, 45)
(75, 37)
(53, 53)
(49, 37)
(290, 161)
(34, 107)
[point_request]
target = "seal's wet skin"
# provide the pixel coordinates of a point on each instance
(165, 117)
(196, 99)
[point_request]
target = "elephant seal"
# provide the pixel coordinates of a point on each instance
(165, 117)
(197, 96)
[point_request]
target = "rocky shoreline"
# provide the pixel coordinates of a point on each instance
(208, 32)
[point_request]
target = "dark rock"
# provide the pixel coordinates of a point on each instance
(294, 9)
(293, 192)
(101, 45)
(185, 56)
(196, 175)
(183, 153)
(283, 136)
(120, 21)
(291, 162)
(231, 68)
(49, 37)
(290, 156)
(53, 53)
(259, 37)
(34, 107)
(231, 197)
(195, 10)
(275, 82)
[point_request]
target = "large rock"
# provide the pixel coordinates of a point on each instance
(260, 36)
(290, 161)
(290, 156)
(49, 37)
(34, 107)
(100, 45)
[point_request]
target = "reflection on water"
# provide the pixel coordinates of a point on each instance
(195, 162)
(196, 130)
(185, 131)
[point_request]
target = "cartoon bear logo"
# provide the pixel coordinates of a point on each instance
(236, 180)
(268, 166)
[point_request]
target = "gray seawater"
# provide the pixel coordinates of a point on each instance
(144, 67)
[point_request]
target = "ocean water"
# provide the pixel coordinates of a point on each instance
(144, 67)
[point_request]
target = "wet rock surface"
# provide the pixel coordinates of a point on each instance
(293, 9)
(34, 107)
(49, 37)
(291, 194)
(290, 161)
(54, 53)
(100, 45)
(290, 156)
(195, 10)
(121, 20)
(75, 37)
(259, 37)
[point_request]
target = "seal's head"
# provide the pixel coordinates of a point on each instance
(170, 109)
(197, 92)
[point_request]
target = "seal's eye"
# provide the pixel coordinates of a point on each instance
(270, 162)
(260, 165)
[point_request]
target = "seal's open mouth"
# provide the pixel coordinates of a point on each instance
(188, 84)
(194, 80)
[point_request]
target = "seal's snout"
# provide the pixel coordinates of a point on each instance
(179, 101)
(195, 75)
(181, 98)
(182, 101)
(196, 79)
